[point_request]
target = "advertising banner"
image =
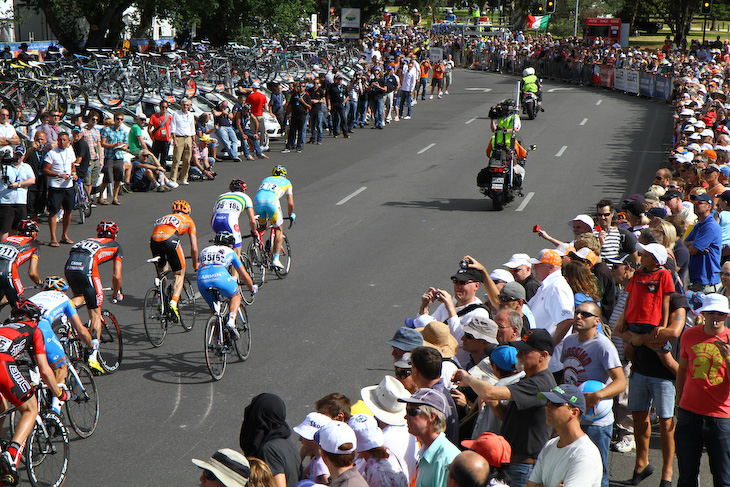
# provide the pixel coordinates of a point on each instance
(632, 81)
(619, 79)
(350, 23)
(646, 84)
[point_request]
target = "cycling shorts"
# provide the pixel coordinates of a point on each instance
(13, 385)
(170, 251)
(267, 206)
(54, 350)
(8, 289)
(228, 222)
(216, 277)
(81, 283)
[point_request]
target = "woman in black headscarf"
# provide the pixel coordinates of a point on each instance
(265, 435)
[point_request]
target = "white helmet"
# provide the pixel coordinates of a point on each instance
(528, 72)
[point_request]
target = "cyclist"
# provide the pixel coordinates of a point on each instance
(267, 205)
(165, 243)
(19, 334)
(227, 210)
(82, 274)
(53, 303)
(15, 251)
(213, 273)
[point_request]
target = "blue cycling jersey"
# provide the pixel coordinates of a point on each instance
(218, 255)
(53, 304)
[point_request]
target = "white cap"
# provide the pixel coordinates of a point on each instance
(585, 219)
(686, 113)
(517, 260)
(366, 430)
(655, 249)
(255, 85)
(714, 302)
(707, 133)
(501, 275)
(337, 438)
(694, 147)
(482, 329)
(695, 136)
(311, 424)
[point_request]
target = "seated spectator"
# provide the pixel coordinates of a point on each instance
(147, 173)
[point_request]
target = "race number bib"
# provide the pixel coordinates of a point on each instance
(87, 246)
(8, 252)
(268, 187)
(228, 205)
(169, 220)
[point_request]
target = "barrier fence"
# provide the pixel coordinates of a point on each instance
(651, 85)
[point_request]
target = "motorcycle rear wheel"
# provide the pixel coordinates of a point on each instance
(531, 112)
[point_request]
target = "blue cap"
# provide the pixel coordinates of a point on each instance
(504, 357)
(706, 197)
(565, 394)
(406, 339)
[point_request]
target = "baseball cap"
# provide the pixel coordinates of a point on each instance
(514, 290)
(481, 329)
(624, 259)
(469, 274)
(705, 197)
(657, 211)
(517, 260)
(504, 357)
(19, 149)
(565, 394)
(255, 85)
(312, 423)
(671, 194)
(406, 339)
(547, 256)
(725, 196)
(495, 449)
(366, 430)
(655, 249)
(584, 255)
(74, 130)
(538, 339)
(142, 116)
(427, 397)
(337, 438)
(501, 275)
(636, 208)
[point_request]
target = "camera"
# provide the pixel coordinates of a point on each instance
(496, 112)
(6, 159)
(464, 264)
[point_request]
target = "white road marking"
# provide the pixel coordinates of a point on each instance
(351, 195)
(470, 121)
(485, 90)
(599, 102)
(178, 399)
(584, 121)
(210, 405)
(526, 200)
(553, 90)
(560, 152)
(426, 148)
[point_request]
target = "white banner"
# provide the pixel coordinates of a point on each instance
(313, 26)
(350, 23)
(619, 79)
(436, 54)
(632, 81)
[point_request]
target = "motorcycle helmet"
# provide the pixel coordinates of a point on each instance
(603, 407)
(528, 71)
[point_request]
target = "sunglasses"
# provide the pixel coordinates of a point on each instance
(657, 177)
(413, 412)
(556, 405)
(119, 119)
(585, 314)
(463, 283)
(209, 475)
(402, 373)
(725, 274)
(603, 215)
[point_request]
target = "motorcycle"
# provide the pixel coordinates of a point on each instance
(502, 179)
(530, 104)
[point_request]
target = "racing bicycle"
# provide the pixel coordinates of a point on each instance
(219, 339)
(157, 312)
(260, 254)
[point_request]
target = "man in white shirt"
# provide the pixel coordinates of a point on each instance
(16, 178)
(553, 303)
(570, 459)
(58, 167)
(182, 128)
(8, 136)
(410, 78)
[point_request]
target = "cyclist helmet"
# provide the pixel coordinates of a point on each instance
(25, 309)
(28, 227)
(181, 206)
(238, 185)
(279, 171)
(107, 228)
(528, 72)
(55, 283)
(224, 238)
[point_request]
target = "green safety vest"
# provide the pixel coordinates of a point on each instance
(529, 83)
(475, 13)
(507, 124)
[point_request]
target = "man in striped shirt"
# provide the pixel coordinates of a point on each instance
(614, 241)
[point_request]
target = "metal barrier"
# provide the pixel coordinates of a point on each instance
(629, 81)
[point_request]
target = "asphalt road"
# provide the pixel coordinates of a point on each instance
(359, 264)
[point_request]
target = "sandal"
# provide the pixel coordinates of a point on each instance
(67, 241)
(102, 202)
(54, 244)
(116, 202)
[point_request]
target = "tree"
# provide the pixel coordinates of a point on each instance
(677, 14)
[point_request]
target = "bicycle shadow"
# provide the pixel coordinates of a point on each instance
(172, 368)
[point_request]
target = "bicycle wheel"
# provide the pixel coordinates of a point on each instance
(53, 100)
(110, 349)
(215, 353)
(82, 406)
(186, 306)
(246, 295)
(133, 90)
(47, 452)
(110, 92)
(27, 110)
(243, 344)
(285, 258)
(258, 262)
(155, 322)
(77, 100)
(80, 202)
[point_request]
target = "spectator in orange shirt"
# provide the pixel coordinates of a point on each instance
(425, 68)
(437, 80)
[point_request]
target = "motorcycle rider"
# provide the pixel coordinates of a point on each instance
(531, 83)
(506, 118)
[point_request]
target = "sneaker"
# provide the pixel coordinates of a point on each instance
(277, 263)
(126, 188)
(396, 119)
(446, 92)
(184, 183)
(430, 97)
(346, 136)
(10, 477)
(94, 365)
(299, 150)
(625, 444)
(440, 96)
(236, 159)
(232, 328)
(407, 117)
(175, 312)
(414, 102)
(285, 151)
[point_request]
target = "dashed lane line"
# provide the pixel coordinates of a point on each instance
(351, 195)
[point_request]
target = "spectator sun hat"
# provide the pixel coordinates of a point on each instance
(336, 438)
(366, 430)
(228, 466)
(714, 302)
(547, 256)
(382, 399)
(437, 335)
(482, 329)
(311, 424)
(658, 251)
(494, 448)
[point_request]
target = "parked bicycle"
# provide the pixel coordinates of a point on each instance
(219, 339)
(260, 255)
(157, 312)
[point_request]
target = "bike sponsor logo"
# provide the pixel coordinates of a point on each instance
(19, 379)
(16, 349)
(5, 344)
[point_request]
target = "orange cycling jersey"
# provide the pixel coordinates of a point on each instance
(166, 226)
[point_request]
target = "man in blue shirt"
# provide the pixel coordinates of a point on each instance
(704, 243)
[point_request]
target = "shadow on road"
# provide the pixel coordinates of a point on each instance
(445, 204)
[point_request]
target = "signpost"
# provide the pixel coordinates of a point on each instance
(350, 23)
